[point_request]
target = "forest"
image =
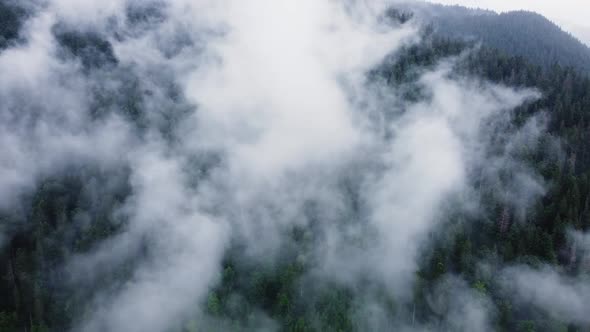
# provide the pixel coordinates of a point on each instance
(530, 185)
(518, 33)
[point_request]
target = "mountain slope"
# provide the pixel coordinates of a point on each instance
(98, 245)
(519, 33)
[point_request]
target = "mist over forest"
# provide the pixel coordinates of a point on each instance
(292, 165)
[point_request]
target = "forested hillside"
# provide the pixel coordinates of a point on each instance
(518, 33)
(303, 250)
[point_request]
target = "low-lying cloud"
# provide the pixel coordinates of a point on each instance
(232, 117)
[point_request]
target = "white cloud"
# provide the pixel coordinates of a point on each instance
(275, 90)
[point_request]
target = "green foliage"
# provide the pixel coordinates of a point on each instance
(213, 304)
(480, 286)
(526, 326)
(74, 212)
(8, 322)
(519, 33)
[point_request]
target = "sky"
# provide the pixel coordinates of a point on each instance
(571, 15)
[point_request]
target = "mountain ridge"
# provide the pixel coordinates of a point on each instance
(519, 33)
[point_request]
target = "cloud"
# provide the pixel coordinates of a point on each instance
(563, 293)
(270, 103)
(238, 121)
(45, 120)
(436, 147)
(185, 247)
(462, 308)
(562, 297)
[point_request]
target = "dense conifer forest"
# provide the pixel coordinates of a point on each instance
(69, 213)
(518, 33)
